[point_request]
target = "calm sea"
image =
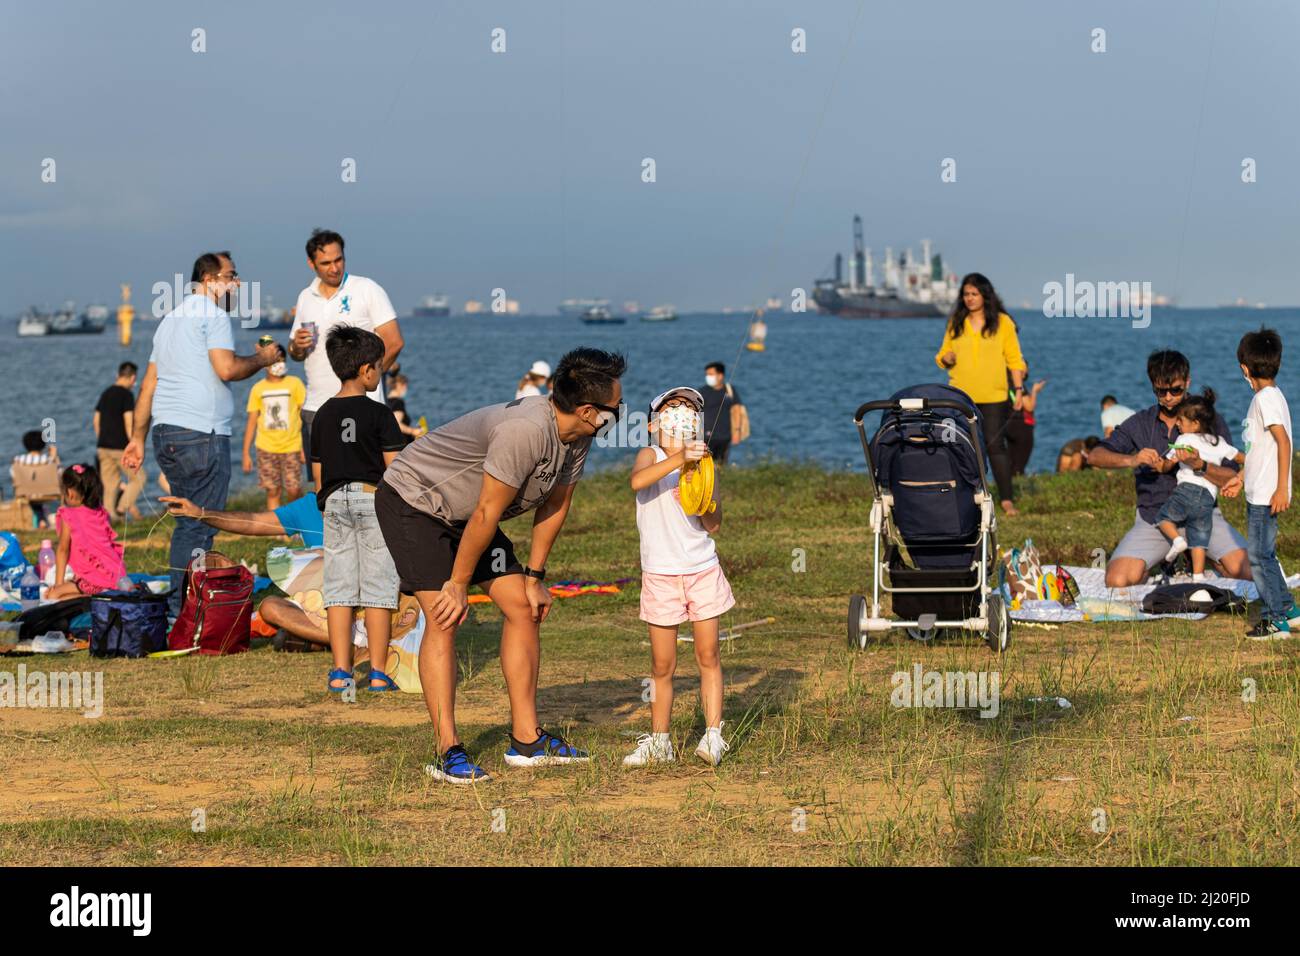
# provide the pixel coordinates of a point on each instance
(801, 392)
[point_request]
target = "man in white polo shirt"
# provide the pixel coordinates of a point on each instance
(336, 297)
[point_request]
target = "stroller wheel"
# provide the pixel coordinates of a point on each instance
(857, 610)
(999, 633)
(922, 634)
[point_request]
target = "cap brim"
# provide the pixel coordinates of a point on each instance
(683, 391)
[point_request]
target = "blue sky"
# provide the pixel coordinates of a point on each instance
(522, 170)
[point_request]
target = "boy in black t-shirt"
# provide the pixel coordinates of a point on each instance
(114, 419)
(353, 438)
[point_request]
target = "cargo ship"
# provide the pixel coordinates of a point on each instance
(433, 306)
(581, 307)
(910, 288)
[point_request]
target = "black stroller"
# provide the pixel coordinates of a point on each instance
(931, 505)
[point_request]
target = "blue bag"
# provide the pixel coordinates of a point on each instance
(11, 552)
(127, 623)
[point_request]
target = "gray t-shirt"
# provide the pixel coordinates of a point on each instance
(518, 443)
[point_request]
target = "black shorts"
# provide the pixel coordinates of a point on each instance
(424, 548)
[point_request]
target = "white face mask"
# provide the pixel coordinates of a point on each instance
(277, 369)
(680, 421)
(711, 381)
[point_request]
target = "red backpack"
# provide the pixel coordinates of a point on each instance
(217, 609)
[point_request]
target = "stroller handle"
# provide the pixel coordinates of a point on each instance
(910, 404)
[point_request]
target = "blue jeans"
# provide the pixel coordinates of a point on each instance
(197, 467)
(1192, 507)
(1261, 545)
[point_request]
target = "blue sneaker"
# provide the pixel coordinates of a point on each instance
(455, 767)
(1293, 614)
(547, 749)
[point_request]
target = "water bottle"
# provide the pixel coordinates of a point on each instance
(29, 589)
(125, 583)
(45, 562)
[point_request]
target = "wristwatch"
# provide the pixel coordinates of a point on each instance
(1205, 466)
(538, 573)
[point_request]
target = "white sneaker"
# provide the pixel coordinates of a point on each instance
(712, 746)
(1178, 546)
(650, 748)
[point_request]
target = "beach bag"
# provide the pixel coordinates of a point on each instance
(739, 419)
(217, 607)
(11, 552)
(51, 617)
(127, 623)
(1177, 599)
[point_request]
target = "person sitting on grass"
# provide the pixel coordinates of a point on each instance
(1140, 443)
(681, 579)
(1192, 503)
(87, 542)
(353, 439)
(35, 452)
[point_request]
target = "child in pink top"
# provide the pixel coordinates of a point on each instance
(87, 543)
(681, 578)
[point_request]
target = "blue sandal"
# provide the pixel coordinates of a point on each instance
(339, 674)
(389, 683)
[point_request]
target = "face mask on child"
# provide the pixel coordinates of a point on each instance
(680, 421)
(277, 369)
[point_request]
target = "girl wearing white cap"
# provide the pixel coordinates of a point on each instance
(533, 380)
(681, 579)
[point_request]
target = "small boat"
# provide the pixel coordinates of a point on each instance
(33, 323)
(599, 315)
(660, 313)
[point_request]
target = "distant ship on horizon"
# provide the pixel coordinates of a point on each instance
(580, 307)
(66, 321)
(433, 306)
(909, 288)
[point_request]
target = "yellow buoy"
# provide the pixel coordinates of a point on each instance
(755, 346)
(695, 487)
(125, 313)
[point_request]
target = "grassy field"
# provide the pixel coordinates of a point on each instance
(1160, 760)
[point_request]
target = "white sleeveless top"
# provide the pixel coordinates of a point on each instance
(672, 542)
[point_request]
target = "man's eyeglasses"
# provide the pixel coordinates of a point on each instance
(228, 276)
(1175, 390)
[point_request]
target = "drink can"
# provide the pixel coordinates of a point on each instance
(311, 327)
(266, 340)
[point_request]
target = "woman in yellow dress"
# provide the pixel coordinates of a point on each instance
(980, 349)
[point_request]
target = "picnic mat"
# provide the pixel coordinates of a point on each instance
(1097, 602)
(568, 589)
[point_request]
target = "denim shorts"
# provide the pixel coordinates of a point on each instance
(1192, 508)
(359, 571)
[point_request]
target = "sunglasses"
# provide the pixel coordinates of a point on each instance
(1168, 391)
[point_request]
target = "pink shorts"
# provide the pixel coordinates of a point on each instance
(671, 599)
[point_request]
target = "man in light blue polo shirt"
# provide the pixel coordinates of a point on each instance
(186, 396)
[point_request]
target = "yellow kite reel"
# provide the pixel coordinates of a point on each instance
(695, 487)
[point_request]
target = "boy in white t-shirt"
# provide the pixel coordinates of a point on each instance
(681, 578)
(1192, 503)
(1266, 433)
